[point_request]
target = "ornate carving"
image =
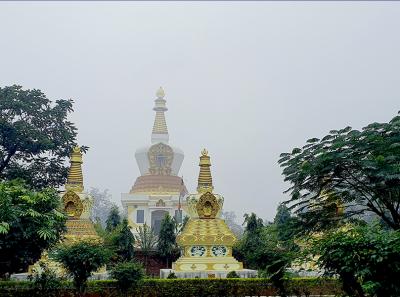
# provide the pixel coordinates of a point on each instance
(219, 251)
(160, 203)
(72, 204)
(160, 159)
(207, 207)
(197, 251)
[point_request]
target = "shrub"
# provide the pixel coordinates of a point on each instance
(81, 259)
(232, 274)
(127, 274)
(46, 281)
(171, 275)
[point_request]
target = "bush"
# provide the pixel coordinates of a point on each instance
(46, 282)
(171, 275)
(191, 287)
(81, 260)
(127, 274)
(232, 274)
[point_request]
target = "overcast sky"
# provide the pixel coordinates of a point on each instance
(247, 81)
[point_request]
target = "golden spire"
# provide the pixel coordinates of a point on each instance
(75, 177)
(160, 125)
(205, 179)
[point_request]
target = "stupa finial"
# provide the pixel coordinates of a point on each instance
(160, 93)
(75, 176)
(205, 179)
(160, 130)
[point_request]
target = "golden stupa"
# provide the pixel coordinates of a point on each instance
(76, 204)
(206, 240)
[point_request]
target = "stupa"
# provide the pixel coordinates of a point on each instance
(206, 240)
(158, 190)
(76, 204)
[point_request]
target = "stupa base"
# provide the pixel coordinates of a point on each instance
(243, 273)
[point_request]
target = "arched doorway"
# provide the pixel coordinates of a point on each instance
(156, 218)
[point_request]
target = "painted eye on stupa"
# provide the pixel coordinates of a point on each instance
(219, 250)
(198, 251)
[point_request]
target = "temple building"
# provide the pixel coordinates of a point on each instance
(206, 241)
(158, 190)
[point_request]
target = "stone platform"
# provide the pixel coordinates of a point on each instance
(243, 273)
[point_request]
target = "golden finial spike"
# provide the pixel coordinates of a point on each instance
(75, 176)
(205, 179)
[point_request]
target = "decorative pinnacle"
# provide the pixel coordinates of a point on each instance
(75, 176)
(160, 93)
(160, 130)
(205, 179)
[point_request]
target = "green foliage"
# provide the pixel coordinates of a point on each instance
(366, 258)
(346, 174)
(113, 219)
(46, 282)
(30, 223)
(172, 275)
(35, 137)
(121, 242)
(232, 274)
(271, 248)
(81, 259)
(127, 274)
(167, 246)
(195, 287)
(146, 240)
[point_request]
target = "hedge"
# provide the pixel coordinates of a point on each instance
(186, 288)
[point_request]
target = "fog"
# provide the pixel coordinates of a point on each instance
(246, 80)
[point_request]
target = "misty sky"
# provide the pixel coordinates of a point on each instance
(245, 80)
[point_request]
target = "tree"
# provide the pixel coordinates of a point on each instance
(230, 219)
(366, 258)
(36, 137)
(345, 174)
(29, 224)
(166, 246)
(81, 259)
(113, 219)
(102, 205)
(146, 240)
(127, 274)
(287, 226)
(268, 248)
(121, 241)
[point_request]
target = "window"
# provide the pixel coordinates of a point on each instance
(178, 216)
(140, 216)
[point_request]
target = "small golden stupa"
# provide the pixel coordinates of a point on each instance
(76, 204)
(206, 240)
